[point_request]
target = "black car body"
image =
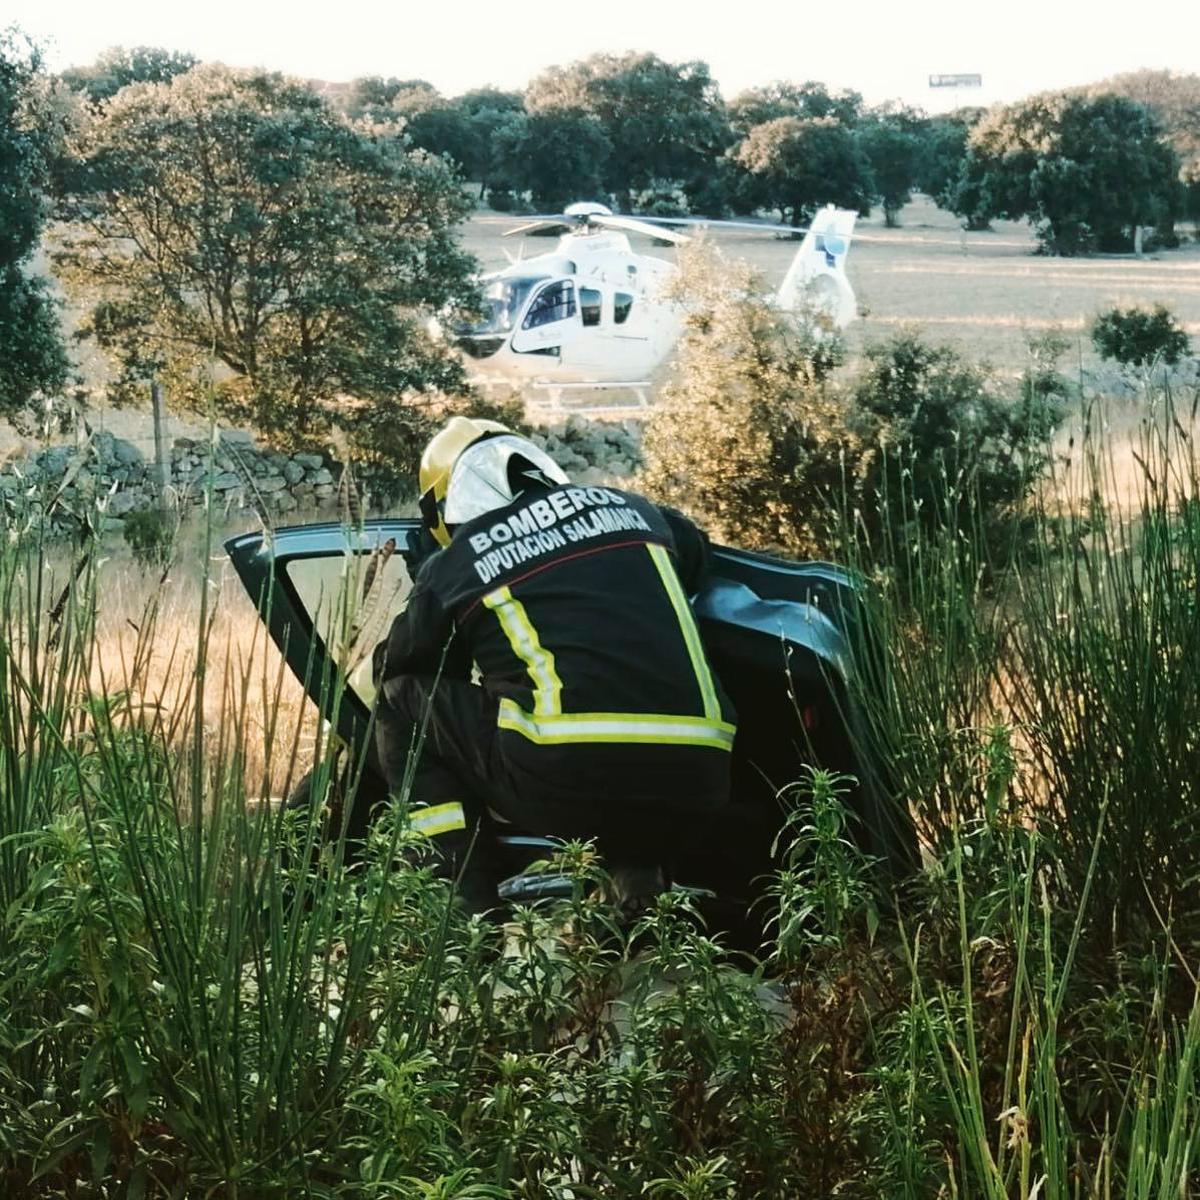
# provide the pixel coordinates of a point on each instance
(778, 633)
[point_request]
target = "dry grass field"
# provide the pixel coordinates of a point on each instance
(148, 635)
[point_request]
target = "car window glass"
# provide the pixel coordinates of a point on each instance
(622, 303)
(553, 303)
(352, 602)
(589, 305)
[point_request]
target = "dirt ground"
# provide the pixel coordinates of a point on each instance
(984, 293)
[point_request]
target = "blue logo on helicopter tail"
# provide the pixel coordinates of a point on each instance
(831, 245)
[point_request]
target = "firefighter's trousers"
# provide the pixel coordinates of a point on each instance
(461, 760)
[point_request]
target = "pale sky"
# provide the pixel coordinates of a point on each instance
(883, 49)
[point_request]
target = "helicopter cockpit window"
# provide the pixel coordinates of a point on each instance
(589, 305)
(503, 300)
(553, 303)
(622, 303)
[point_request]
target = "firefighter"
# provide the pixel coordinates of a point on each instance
(596, 714)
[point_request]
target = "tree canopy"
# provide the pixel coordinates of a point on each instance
(798, 164)
(475, 131)
(235, 236)
(757, 106)
(1174, 99)
(430, 121)
(557, 156)
(32, 359)
(664, 121)
(119, 66)
(1086, 171)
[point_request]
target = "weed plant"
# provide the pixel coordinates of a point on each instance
(1043, 677)
(200, 997)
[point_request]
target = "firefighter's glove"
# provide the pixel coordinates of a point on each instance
(418, 547)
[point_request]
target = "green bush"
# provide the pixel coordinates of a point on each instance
(750, 436)
(1138, 336)
(954, 446)
(760, 439)
(150, 534)
(662, 202)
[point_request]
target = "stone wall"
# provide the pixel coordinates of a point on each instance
(594, 451)
(56, 484)
(245, 475)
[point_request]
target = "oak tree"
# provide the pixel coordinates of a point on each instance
(32, 360)
(556, 155)
(797, 165)
(891, 139)
(665, 122)
(1174, 99)
(261, 253)
(1088, 172)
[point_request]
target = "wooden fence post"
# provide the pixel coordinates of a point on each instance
(162, 462)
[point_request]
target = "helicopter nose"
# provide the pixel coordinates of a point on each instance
(471, 344)
(478, 346)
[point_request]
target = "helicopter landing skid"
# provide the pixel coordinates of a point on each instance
(562, 397)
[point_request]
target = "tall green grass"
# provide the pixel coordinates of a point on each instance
(1031, 689)
(178, 1000)
(1041, 664)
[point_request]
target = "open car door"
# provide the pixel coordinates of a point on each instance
(328, 594)
(778, 634)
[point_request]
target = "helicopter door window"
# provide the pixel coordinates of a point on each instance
(622, 304)
(589, 305)
(553, 303)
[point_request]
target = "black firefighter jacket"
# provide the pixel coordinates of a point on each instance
(573, 604)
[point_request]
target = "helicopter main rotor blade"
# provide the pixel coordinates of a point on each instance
(637, 225)
(556, 221)
(705, 222)
(657, 227)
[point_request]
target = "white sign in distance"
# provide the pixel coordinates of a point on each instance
(955, 81)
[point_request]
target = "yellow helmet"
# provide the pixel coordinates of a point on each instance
(443, 451)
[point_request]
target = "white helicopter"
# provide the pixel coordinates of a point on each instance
(591, 314)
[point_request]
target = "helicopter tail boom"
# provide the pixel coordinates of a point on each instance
(817, 280)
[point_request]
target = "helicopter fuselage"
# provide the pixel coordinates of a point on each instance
(592, 313)
(589, 312)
